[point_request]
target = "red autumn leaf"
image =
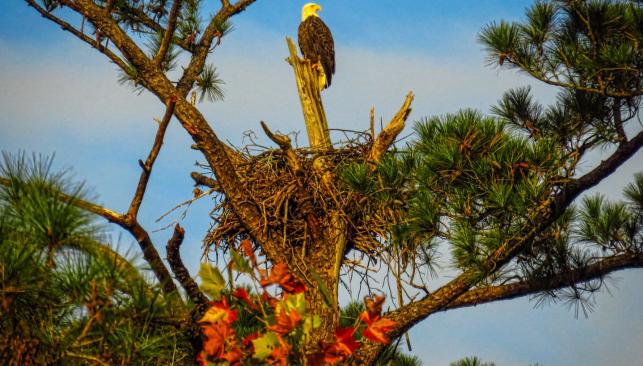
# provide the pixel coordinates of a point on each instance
(233, 356)
(292, 286)
(247, 341)
(241, 294)
(200, 360)
(246, 249)
(277, 273)
(219, 311)
(280, 275)
(377, 326)
(285, 322)
(344, 346)
(266, 298)
(216, 337)
(279, 355)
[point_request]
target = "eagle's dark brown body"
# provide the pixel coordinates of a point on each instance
(317, 45)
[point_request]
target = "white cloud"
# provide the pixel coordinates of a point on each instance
(78, 94)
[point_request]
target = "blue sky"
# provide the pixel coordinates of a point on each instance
(58, 96)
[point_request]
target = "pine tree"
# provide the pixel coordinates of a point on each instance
(68, 297)
(496, 193)
(472, 361)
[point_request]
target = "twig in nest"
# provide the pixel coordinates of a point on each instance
(188, 202)
(284, 143)
(202, 180)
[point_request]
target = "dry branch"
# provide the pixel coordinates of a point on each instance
(284, 143)
(178, 268)
(202, 180)
(310, 96)
(146, 167)
(168, 33)
(387, 136)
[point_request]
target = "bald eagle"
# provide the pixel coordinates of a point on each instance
(316, 43)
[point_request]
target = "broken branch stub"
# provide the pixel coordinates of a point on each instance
(387, 136)
(311, 104)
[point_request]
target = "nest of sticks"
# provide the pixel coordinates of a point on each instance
(287, 196)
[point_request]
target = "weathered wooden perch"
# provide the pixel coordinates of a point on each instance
(387, 136)
(311, 104)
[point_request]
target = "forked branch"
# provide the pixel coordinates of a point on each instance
(283, 142)
(387, 136)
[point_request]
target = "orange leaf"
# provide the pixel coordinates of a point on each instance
(286, 322)
(344, 346)
(216, 337)
(233, 356)
(279, 355)
(219, 311)
(280, 275)
(200, 360)
(246, 249)
(377, 326)
(241, 294)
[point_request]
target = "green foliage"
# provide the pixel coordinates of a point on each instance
(581, 237)
(466, 179)
(471, 361)
(592, 50)
(587, 44)
(209, 84)
(64, 297)
(212, 282)
(392, 356)
(189, 22)
(350, 314)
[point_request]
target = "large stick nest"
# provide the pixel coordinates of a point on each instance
(299, 205)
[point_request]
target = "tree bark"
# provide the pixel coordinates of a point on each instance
(310, 96)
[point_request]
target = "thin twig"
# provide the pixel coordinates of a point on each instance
(71, 29)
(146, 167)
(168, 34)
(202, 180)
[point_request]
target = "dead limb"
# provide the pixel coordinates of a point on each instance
(387, 136)
(178, 268)
(284, 143)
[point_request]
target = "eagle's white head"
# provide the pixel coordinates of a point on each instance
(309, 9)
